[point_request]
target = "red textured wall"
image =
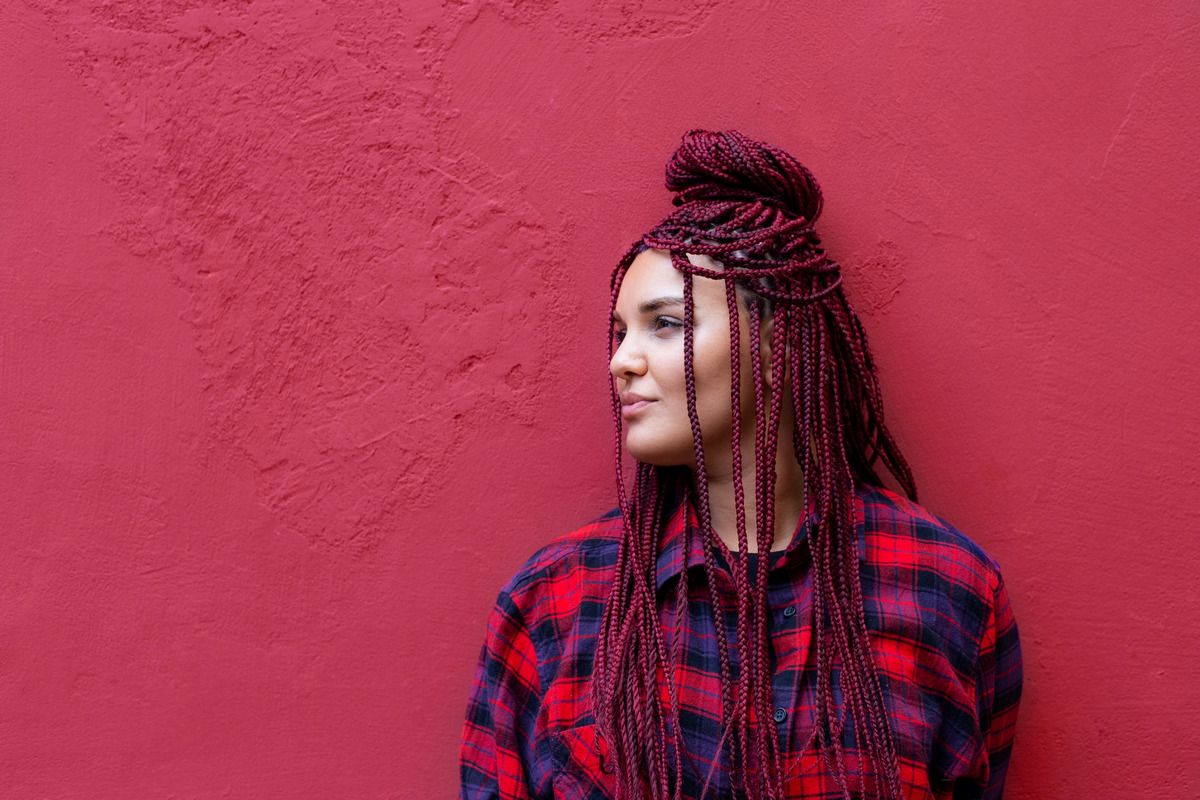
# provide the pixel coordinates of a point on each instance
(301, 319)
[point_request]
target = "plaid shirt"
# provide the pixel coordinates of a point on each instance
(942, 631)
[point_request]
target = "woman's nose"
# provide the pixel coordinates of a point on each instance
(627, 360)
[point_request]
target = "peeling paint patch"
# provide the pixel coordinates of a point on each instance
(874, 278)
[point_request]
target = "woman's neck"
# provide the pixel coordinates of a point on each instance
(789, 498)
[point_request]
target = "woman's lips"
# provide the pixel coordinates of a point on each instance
(631, 404)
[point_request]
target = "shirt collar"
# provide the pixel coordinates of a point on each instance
(674, 540)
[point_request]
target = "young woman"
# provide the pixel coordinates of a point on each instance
(760, 617)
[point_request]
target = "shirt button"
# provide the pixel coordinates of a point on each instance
(790, 611)
(780, 714)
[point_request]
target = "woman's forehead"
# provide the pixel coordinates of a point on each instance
(652, 281)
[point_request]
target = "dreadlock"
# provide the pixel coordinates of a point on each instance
(751, 207)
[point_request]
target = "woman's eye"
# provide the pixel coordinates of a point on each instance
(618, 335)
(667, 323)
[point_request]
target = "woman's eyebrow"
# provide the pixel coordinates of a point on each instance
(650, 306)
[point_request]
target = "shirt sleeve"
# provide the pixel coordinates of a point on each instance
(998, 693)
(497, 756)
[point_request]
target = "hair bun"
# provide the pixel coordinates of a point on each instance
(730, 166)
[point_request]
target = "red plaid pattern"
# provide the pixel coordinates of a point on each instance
(945, 642)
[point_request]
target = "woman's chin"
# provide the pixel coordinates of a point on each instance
(659, 456)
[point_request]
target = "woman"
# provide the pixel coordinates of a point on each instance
(656, 652)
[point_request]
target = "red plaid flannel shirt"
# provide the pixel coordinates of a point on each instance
(942, 631)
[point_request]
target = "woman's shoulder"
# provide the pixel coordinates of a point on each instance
(582, 556)
(900, 528)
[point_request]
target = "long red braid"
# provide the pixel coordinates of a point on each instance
(751, 207)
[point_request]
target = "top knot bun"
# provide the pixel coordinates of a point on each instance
(730, 166)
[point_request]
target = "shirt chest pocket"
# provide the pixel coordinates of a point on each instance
(582, 770)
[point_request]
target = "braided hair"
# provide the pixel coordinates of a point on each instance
(751, 207)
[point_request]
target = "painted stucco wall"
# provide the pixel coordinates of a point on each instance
(301, 351)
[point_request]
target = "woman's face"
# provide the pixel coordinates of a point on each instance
(648, 365)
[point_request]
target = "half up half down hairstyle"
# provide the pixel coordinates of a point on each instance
(751, 207)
